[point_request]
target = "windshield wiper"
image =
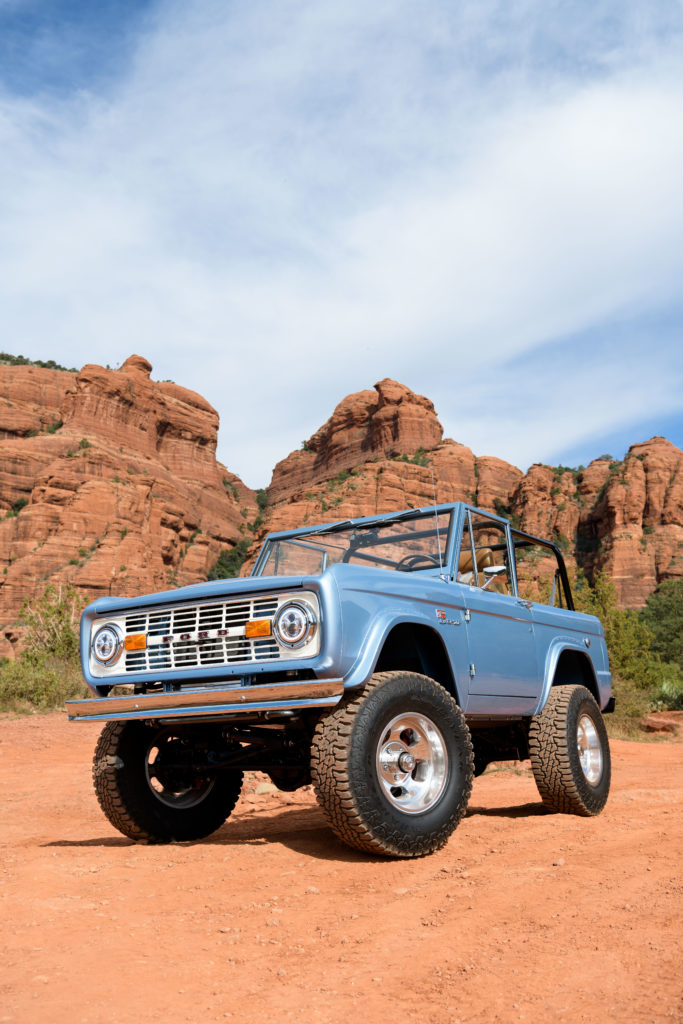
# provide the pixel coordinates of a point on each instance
(331, 527)
(345, 523)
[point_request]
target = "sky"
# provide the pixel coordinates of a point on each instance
(279, 202)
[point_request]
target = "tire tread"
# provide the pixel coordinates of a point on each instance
(123, 800)
(330, 754)
(562, 787)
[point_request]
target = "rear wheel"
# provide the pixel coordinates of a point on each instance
(570, 755)
(392, 767)
(156, 784)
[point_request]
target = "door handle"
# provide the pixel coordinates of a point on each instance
(524, 604)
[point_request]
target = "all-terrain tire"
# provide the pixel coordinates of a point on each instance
(149, 798)
(570, 755)
(361, 766)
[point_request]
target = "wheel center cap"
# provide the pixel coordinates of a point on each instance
(396, 761)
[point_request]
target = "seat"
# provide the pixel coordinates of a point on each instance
(465, 571)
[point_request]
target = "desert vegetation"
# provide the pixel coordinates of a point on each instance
(7, 359)
(48, 671)
(645, 649)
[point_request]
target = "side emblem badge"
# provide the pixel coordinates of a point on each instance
(443, 619)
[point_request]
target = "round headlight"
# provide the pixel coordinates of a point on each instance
(106, 645)
(294, 624)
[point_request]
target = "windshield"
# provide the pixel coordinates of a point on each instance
(404, 544)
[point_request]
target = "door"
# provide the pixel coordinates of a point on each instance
(499, 626)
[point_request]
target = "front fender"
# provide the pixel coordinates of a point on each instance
(364, 666)
(374, 602)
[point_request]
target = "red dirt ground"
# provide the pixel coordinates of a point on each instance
(524, 916)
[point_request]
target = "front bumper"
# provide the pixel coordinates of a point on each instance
(225, 701)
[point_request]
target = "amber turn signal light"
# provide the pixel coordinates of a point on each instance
(257, 627)
(136, 642)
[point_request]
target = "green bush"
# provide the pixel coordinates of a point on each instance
(229, 562)
(642, 680)
(6, 359)
(16, 508)
(663, 616)
(52, 623)
(48, 671)
(419, 459)
(43, 683)
(230, 489)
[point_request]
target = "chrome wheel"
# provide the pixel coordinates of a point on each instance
(590, 749)
(412, 763)
(170, 776)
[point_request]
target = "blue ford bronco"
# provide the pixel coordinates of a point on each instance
(387, 660)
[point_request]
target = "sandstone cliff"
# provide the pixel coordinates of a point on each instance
(124, 497)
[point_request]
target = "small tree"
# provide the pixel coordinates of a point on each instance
(663, 615)
(229, 562)
(52, 622)
(628, 638)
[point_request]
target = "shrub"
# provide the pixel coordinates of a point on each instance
(52, 623)
(663, 616)
(84, 443)
(229, 562)
(45, 683)
(230, 488)
(419, 459)
(9, 360)
(642, 680)
(48, 671)
(16, 508)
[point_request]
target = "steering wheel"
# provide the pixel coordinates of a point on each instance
(409, 562)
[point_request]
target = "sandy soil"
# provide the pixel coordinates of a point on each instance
(523, 916)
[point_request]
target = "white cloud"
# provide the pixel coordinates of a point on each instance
(282, 202)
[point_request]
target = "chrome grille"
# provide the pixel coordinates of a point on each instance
(214, 650)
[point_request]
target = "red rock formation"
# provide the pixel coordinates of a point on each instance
(126, 497)
(637, 520)
(623, 517)
(31, 399)
(383, 423)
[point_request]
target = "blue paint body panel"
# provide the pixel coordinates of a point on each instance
(502, 652)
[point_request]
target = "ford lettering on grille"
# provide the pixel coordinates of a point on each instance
(206, 634)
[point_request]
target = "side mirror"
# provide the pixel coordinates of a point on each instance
(490, 573)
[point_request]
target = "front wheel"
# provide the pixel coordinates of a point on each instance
(392, 767)
(156, 784)
(570, 755)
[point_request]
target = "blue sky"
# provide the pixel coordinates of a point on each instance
(278, 203)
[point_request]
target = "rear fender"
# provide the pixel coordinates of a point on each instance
(567, 662)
